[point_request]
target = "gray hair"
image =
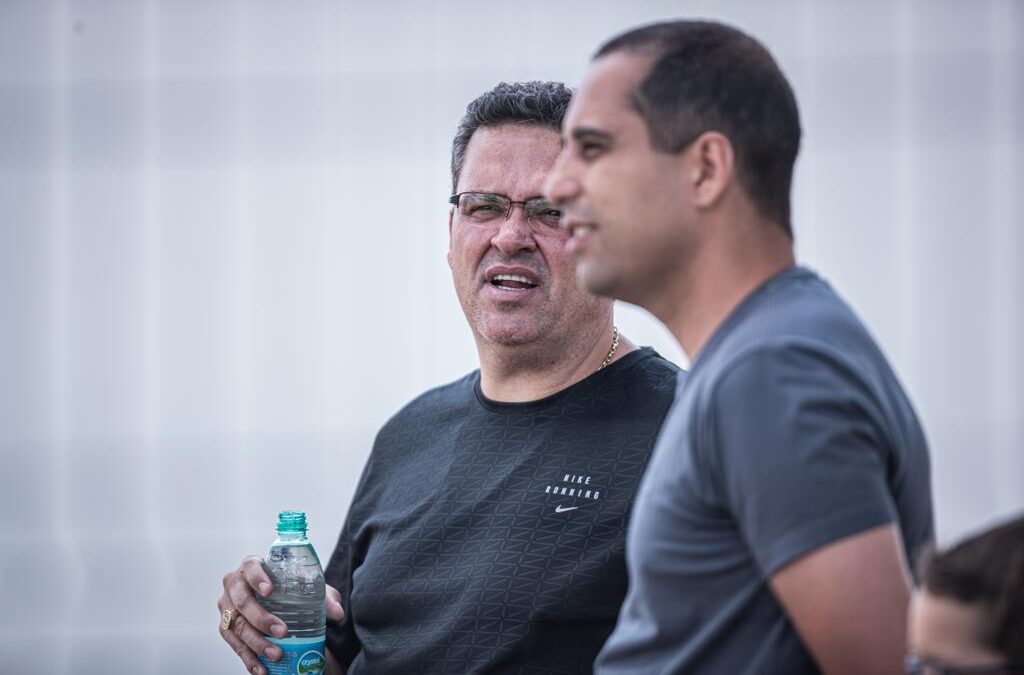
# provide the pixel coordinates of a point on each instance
(540, 103)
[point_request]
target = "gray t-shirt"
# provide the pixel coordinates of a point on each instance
(790, 433)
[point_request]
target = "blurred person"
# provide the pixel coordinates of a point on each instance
(791, 481)
(487, 532)
(967, 615)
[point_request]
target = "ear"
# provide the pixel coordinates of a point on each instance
(448, 256)
(713, 168)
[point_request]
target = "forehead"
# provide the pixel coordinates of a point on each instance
(603, 100)
(945, 629)
(511, 159)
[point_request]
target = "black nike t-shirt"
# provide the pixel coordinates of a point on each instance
(489, 537)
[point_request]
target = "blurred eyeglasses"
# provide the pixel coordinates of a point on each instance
(489, 209)
(918, 666)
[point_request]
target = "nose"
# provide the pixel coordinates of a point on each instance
(561, 186)
(514, 234)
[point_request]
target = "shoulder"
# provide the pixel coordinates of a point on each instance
(780, 386)
(412, 429)
(646, 368)
(434, 405)
(787, 366)
(799, 302)
(641, 385)
(797, 328)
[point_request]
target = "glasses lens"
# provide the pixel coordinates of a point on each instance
(482, 207)
(542, 212)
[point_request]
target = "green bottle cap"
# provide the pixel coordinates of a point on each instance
(291, 521)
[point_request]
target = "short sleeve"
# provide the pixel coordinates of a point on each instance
(799, 449)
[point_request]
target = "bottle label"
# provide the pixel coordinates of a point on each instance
(302, 656)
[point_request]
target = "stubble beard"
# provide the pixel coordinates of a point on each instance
(640, 280)
(512, 328)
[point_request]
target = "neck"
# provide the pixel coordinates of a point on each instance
(519, 373)
(721, 276)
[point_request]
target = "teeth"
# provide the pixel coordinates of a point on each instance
(512, 277)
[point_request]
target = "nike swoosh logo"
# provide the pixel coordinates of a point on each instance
(563, 509)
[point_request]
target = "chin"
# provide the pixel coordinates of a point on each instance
(508, 333)
(598, 278)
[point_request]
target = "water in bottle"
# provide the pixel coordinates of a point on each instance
(297, 598)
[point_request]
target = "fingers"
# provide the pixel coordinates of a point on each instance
(255, 640)
(333, 603)
(247, 656)
(245, 641)
(254, 574)
(241, 597)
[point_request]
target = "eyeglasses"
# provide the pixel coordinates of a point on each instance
(918, 666)
(488, 209)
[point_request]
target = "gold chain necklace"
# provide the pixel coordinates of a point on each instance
(611, 352)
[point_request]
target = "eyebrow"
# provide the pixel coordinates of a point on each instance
(489, 193)
(591, 134)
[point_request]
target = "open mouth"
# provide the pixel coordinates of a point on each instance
(580, 232)
(512, 282)
(576, 225)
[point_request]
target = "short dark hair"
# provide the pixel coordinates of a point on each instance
(988, 570)
(540, 103)
(708, 76)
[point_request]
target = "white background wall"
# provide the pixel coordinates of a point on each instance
(222, 238)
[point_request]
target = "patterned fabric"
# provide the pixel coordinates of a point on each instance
(489, 537)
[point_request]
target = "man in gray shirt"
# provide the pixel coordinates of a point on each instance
(790, 483)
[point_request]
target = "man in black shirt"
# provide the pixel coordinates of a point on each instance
(487, 532)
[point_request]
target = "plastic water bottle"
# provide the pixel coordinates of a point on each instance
(297, 599)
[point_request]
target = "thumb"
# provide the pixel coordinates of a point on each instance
(333, 604)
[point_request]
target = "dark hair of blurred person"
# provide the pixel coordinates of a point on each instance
(968, 613)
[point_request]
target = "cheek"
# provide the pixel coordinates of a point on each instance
(465, 253)
(465, 246)
(558, 262)
(567, 288)
(618, 189)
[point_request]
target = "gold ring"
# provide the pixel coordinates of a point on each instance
(227, 618)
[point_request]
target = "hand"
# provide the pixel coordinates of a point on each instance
(332, 603)
(251, 622)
